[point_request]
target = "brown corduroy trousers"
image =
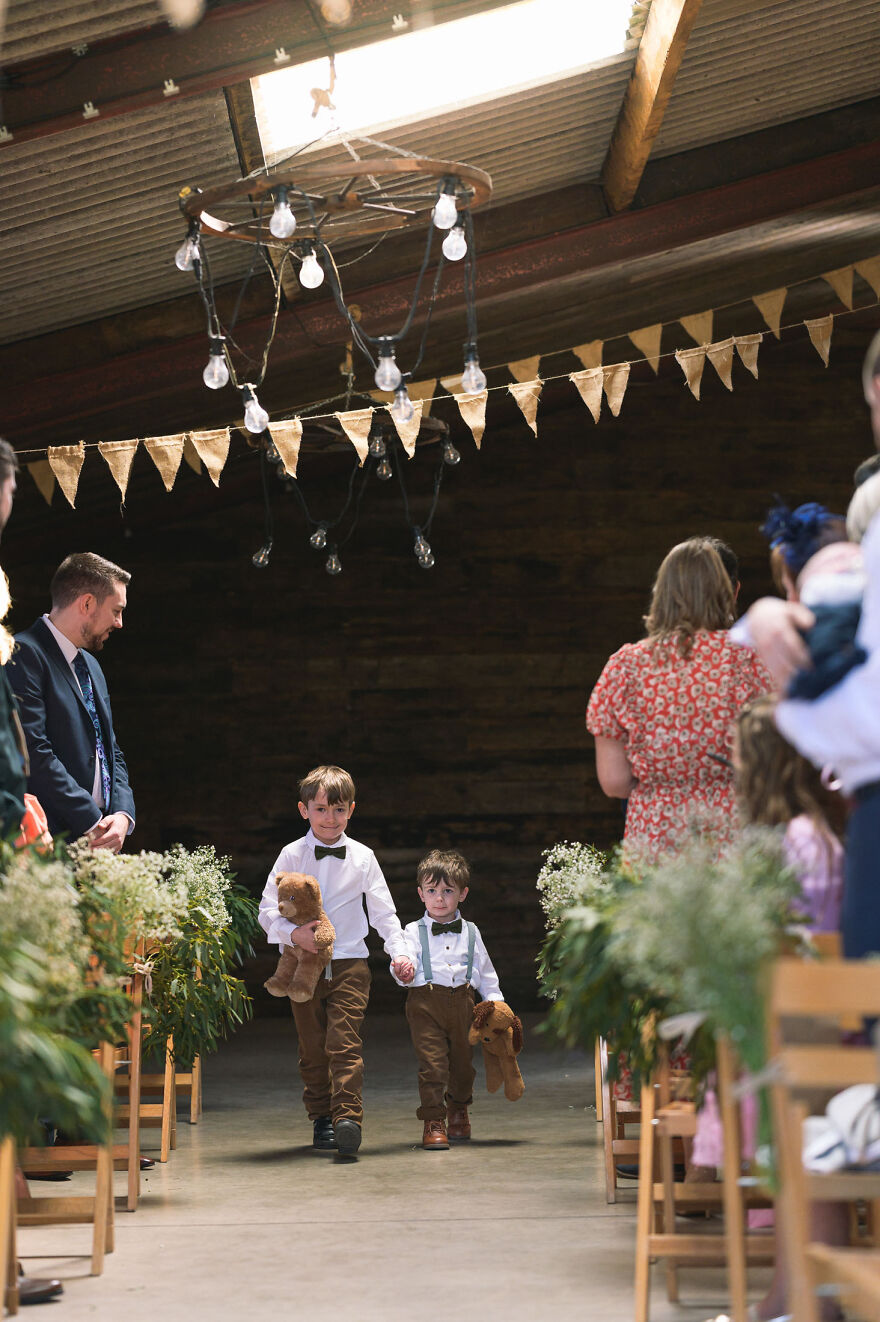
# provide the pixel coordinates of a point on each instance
(330, 1047)
(439, 1019)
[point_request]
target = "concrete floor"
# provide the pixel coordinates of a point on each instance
(247, 1222)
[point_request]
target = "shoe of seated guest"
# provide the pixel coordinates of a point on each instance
(323, 1137)
(36, 1289)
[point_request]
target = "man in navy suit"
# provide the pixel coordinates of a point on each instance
(77, 770)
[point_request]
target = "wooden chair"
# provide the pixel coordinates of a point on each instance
(616, 1115)
(824, 994)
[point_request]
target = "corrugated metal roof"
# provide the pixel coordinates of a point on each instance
(751, 65)
(43, 27)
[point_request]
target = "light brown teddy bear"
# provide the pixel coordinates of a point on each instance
(298, 971)
(500, 1034)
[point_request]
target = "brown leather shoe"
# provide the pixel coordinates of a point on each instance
(35, 1290)
(434, 1137)
(459, 1126)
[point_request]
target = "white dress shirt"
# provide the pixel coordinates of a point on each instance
(842, 727)
(449, 952)
(345, 884)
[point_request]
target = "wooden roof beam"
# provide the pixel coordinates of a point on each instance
(661, 51)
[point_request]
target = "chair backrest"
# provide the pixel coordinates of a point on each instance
(836, 993)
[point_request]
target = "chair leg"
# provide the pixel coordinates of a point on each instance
(734, 1219)
(103, 1236)
(597, 1060)
(169, 1101)
(195, 1096)
(609, 1125)
(8, 1254)
(645, 1208)
(135, 1043)
(794, 1207)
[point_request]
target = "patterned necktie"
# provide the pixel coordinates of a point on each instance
(322, 851)
(437, 929)
(85, 683)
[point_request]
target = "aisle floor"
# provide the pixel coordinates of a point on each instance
(246, 1221)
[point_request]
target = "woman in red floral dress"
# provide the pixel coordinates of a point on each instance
(663, 710)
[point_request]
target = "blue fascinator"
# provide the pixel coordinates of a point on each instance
(797, 533)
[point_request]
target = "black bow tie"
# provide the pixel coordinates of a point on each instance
(321, 851)
(437, 929)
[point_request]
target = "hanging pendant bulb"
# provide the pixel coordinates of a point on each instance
(261, 558)
(473, 378)
(451, 456)
(216, 373)
(187, 254)
(402, 409)
(256, 419)
(445, 212)
(420, 546)
(454, 245)
(377, 447)
(333, 564)
(388, 375)
(318, 538)
(427, 561)
(283, 221)
(311, 273)
(384, 470)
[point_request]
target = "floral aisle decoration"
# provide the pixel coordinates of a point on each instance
(571, 874)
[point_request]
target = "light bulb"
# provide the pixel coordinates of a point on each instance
(445, 212)
(427, 561)
(283, 221)
(451, 456)
(454, 245)
(311, 273)
(420, 546)
(256, 419)
(387, 373)
(261, 558)
(333, 564)
(336, 11)
(402, 408)
(377, 447)
(318, 538)
(186, 254)
(216, 373)
(384, 471)
(473, 378)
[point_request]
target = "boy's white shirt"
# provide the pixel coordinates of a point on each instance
(345, 884)
(449, 953)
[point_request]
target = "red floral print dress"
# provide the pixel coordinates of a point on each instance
(671, 712)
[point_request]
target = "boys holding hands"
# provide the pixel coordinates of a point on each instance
(450, 961)
(329, 1025)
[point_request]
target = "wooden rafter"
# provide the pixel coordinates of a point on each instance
(661, 51)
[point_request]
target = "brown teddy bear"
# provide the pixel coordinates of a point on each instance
(500, 1034)
(298, 971)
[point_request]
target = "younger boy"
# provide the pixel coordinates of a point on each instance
(450, 963)
(329, 1025)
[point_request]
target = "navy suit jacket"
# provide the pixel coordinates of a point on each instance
(60, 735)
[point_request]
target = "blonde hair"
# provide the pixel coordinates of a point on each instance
(692, 592)
(336, 784)
(7, 642)
(862, 508)
(773, 782)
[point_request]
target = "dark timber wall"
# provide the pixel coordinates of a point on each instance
(454, 696)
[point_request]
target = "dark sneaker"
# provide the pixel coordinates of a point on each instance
(323, 1136)
(348, 1137)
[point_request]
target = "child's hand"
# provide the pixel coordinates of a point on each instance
(304, 937)
(403, 968)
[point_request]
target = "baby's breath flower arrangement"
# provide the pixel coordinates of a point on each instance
(572, 873)
(137, 888)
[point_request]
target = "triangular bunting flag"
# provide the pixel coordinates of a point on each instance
(589, 384)
(525, 370)
(287, 437)
(614, 378)
(409, 431)
(66, 462)
(191, 455)
(841, 281)
(356, 425)
(41, 472)
(692, 362)
(699, 328)
(720, 355)
(473, 411)
(166, 453)
(527, 394)
(212, 447)
(119, 456)
(820, 334)
(747, 348)
(590, 354)
(870, 271)
(770, 306)
(648, 340)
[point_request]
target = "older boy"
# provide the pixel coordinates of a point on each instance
(329, 1025)
(451, 961)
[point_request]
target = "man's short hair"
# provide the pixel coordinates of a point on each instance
(444, 865)
(871, 367)
(8, 461)
(867, 468)
(85, 572)
(336, 784)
